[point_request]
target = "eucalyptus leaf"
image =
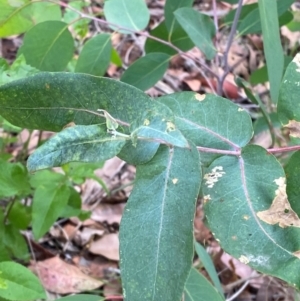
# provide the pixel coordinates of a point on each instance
(199, 27)
(76, 144)
(253, 220)
(95, 56)
(48, 46)
(147, 70)
(162, 203)
(133, 14)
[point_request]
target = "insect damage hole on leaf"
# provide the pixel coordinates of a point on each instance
(280, 211)
(213, 177)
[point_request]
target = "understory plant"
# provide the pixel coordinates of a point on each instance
(183, 144)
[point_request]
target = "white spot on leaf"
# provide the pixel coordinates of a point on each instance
(170, 126)
(200, 97)
(213, 177)
(244, 259)
(146, 122)
(175, 181)
(241, 110)
(206, 198)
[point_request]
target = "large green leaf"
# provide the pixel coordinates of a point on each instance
(133, 14)
(198, 288)
(50, 101)
(156, 239)
(18, 16)
(288, 103)
(48, 46)
(179, 38)
(19, 283)
(200, 29)
(147, 70)
(76, 144)
(210, 121)
(272, 44)
(95, 56)
(247, 210)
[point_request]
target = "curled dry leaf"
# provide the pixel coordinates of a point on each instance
(280, 211)
(60, 277)
(107, 246)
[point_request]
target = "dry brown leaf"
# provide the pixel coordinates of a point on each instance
(60, 277)
(110, 213)
(280, 211)
(88, 233)
(294, 127)
(107, 246)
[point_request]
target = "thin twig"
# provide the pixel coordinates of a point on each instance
(229, 43)
(237, 293)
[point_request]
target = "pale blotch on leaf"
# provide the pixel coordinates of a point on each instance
(170, 126)
(240, 110)
(175, 181)
(297, 253)
(47, 86)
(70, 124)
(146, 122)
(244, 259)
(200, 97)
(296, 60)
(3, 283)
(213, 177)
(246, 217)
(294, 127)
(206, 198)
(234, 237)
(280, 211)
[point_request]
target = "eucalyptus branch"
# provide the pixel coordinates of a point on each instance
(142, 33)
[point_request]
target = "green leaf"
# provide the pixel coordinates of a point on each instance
(77, 99)
(200, 29)
(292, 171)
(115, 58)
(19, 69)
(253, 220)
(48, 46)
(170, 7)
(20, 215)
(209, 267)
(43, 177)
(250, 22)
(272, 44)
(162, 203)
(15, 242)
(261, 75)
(79, 143)
(133, 14)
(210, 121)
(81, 297)
(73, 208)
(49, 202)
(179, 38)
(13, 179)
(95, 56)
(197, 288)
(19, 283)
(17, 16)
(288, 103)
(146, 71)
